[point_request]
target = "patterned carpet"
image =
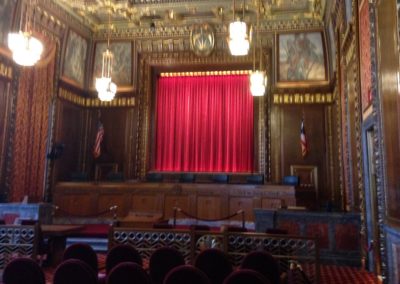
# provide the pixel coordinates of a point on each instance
(330, 274)
(346, 275)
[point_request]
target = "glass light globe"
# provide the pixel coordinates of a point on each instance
(25, 48)
(238, 40)
(258, 83)
(106, 89)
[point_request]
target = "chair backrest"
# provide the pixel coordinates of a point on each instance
(118, 176)
(74, 271)
(291, 180)
(162, 261)
(186, 274)
(127, 273)
(255, 179)
(215, 264)
(186, 178)
(23, 270)
(154, 177)
(79, 176)
(246, 276)
(122, 253)
(264, 263)
(220, 178)
(83, 252)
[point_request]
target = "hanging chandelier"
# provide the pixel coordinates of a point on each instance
(258, 78)
(105, 87)
(239, 42)
(26, 49)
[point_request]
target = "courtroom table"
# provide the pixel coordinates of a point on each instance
(57, 239)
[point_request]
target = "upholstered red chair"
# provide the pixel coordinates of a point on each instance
(83, 252)
(74, 271)
(264, 263)
(186, 274)
(162, 261)
(122, 253)
(246, 276)
(215, 264)
(23, 271)
(128, 273)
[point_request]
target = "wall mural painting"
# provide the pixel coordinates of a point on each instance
(75, 58)
(301, 58)
(365, 56)
(122, 65)
(6, 17)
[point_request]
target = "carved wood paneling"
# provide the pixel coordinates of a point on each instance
(69, 131)
(286, 125)
(201, 200)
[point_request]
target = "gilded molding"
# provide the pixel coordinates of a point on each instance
(59, 14)
(206, 73)
(303, 98)
(6, 71)
(378, 142)
(179, 31)
(95, 103)
(145, 89)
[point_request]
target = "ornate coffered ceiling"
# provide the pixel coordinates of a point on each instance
(132, 14)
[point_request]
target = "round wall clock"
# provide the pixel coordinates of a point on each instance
(202, 39)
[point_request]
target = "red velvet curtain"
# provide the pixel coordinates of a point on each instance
(204, 124)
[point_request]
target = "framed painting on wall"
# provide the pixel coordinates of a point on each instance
(7, 10)
(75, 59)
(122, 64)
(301, 60)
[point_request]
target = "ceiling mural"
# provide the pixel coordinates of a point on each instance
(131, 14)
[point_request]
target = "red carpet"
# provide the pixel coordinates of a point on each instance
(330, 274)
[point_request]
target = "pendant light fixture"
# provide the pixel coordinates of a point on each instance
(239, 42)
(258, 79)
(26, 49)
(105, 87)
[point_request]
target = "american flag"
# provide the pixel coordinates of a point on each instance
(303, 139)
(99, 139)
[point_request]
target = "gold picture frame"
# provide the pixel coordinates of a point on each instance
(301, 60)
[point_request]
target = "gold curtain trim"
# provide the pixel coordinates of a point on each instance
(205, 73)
(92, 102)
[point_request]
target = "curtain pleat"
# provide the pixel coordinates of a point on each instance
(204, 124)
(35, 90)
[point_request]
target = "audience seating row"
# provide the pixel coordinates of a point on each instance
(166, 266)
